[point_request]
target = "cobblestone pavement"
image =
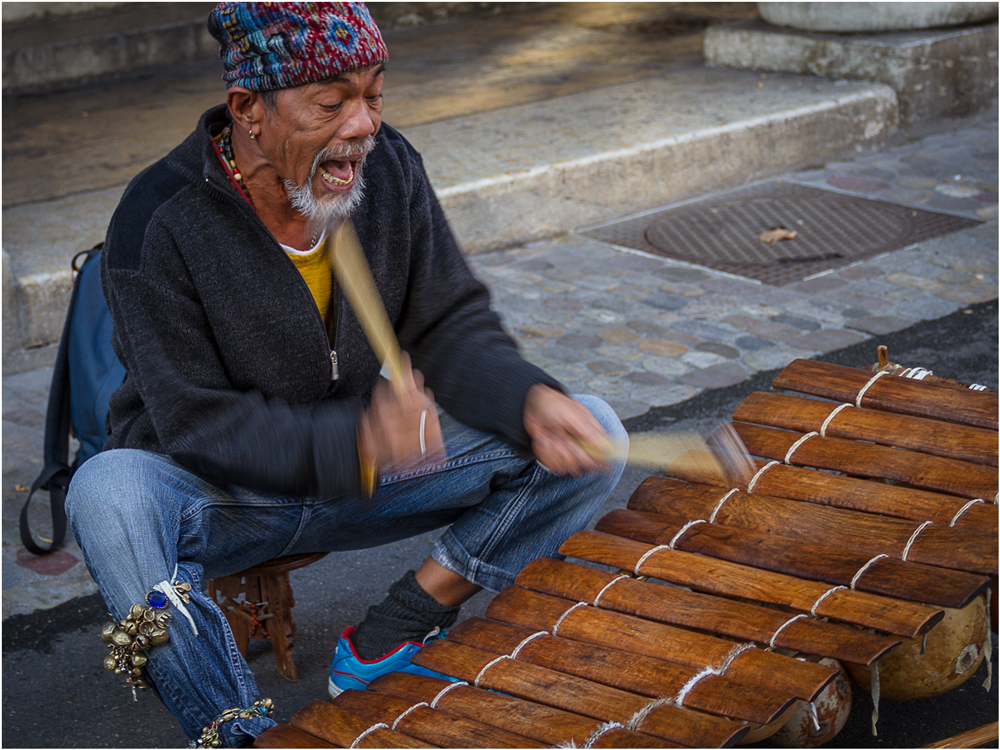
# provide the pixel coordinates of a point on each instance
(642, 331)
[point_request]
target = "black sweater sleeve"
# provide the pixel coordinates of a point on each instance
(179, 394)
(455, 338)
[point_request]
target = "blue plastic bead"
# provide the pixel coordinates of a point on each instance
(156, 599)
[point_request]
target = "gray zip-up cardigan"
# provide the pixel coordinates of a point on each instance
(230, 367)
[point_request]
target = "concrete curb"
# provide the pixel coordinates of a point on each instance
(511, 209)
(738, 132)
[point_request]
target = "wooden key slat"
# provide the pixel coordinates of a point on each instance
(638, 674)
(937, 544)
(891, 393)
(946, 475)
(836, 566)
(544, 724)
(685, 727)
(919, 434)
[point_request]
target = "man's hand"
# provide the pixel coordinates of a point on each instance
(401, 429)
(565, 436)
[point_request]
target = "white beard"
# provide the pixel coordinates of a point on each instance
(320, 212)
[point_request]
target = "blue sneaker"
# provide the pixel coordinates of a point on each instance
(349, 670)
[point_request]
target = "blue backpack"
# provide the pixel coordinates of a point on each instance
(85, 375)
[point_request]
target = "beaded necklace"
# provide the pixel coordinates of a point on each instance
(225, 147)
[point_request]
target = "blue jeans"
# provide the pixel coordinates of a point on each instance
(142, 521)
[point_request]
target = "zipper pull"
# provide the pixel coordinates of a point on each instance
(335, 371)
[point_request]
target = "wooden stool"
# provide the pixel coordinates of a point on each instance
(258, 604)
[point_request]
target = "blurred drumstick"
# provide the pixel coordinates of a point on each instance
(687, 451)
(351, 271)
(722, 457)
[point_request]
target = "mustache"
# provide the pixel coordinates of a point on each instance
(335, 153)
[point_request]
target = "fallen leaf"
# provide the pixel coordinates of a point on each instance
(778, 233)
(20, 488)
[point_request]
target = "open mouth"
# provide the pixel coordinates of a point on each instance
(338, 173)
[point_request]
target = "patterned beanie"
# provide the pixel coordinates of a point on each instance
(267, 46)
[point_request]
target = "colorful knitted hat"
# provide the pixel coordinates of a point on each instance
(267, 46)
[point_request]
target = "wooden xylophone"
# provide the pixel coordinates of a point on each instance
(865, 541)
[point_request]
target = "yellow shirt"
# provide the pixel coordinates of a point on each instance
(314, 265)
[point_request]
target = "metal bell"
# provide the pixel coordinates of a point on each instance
(121, 638)
(107, 631)
(110, 663)
(136, 611)
(139, 660)
(142, 642)
(158, 636)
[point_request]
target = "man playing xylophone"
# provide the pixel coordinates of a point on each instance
(253, 422)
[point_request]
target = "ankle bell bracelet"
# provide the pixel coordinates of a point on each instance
(128, 639)
(210, 735)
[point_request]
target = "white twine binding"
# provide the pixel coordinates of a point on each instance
(796, 444)
(977, 387)
(835, 412)
(913, 538)
(757, 476)
(369, 730)
(526, 641)
(483, 670)
(648, 552)
(854, 581)
(915, 373)
(718, 506)
(600, 731)
(683, 530)
(612, 582)
(729, 658)
(822, 597)
(445, 689)
(770, 643)
(640, 716)
(403, 715)
(555, 628)
(962, 510)
(689, 685)
(864, 390)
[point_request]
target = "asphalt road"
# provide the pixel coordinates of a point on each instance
(57, 694)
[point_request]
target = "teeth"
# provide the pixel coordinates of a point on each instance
(336, 180)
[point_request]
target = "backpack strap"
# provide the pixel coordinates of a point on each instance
(56, 472)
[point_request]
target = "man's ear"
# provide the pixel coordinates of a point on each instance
(246, 107)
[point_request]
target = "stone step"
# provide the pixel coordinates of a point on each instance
(52, 50)
(529, 170)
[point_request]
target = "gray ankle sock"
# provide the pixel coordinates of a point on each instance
(408, 613)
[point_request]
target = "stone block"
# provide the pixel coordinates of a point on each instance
(880, 325)
(716, 376)
(950, 72)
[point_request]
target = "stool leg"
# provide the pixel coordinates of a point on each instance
(230, 587)
(281, 629)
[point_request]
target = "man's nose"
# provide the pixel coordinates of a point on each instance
(359, 121)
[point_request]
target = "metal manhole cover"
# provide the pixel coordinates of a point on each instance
(832, 230)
